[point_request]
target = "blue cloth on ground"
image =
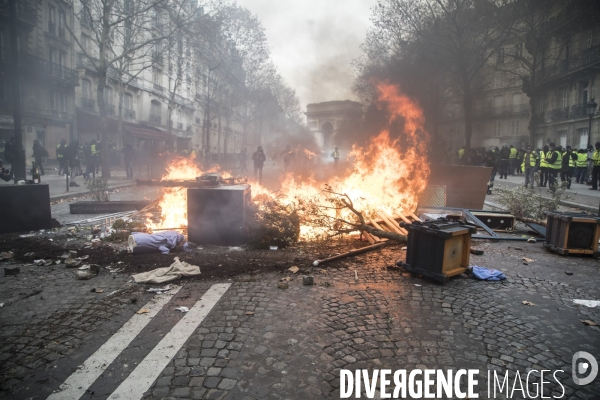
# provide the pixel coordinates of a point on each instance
(162, 241)
(485, 274)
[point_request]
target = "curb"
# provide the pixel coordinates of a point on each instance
(87, 192)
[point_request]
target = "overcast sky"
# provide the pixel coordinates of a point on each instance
(313, 43)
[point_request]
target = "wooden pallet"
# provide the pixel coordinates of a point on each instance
(390, 223)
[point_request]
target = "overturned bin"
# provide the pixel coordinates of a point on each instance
(438, 249)
(572, 233)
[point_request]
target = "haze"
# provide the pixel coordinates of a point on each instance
(314, 42)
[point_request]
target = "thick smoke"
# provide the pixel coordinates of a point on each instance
(314, 42)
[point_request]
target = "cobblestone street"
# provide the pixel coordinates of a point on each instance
(260, 341)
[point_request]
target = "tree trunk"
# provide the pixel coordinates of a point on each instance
(120, 140)
(102, 70)
(531, 126)
(468, 108)
(103, 124)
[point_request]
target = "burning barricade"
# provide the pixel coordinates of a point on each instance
(379, 189)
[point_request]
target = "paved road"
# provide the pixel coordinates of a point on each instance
(247, 339)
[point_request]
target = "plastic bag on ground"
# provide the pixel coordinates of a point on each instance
(486, 274)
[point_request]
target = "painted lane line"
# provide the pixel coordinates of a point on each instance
(140, 380)
(76, 384)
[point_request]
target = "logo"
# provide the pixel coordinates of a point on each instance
(579, 367)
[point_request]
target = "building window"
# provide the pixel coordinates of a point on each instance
(563, 138)
(61, 24)
(515, 127)
(108, 95)
(564, 100)
(86, 17)
(500, 56)
(52, 19)
(519, 50)
(53, 100)
(498, 128)
(86, 89)
(157, 77)
(128, 101)
(62, 102)
(583, 138)
(499, 80)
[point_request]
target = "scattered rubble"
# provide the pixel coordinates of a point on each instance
(308, 280)
(293, 269)
(87, 271)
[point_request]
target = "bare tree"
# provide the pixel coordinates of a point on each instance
(121, 29)
(535, 61)
(458, 36)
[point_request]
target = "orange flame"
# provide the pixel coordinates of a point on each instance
(382, 176)
(385, 175)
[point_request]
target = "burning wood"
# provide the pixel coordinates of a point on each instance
(384, 179)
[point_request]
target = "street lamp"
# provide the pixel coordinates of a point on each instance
(591, 110)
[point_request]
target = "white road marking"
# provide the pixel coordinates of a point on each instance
(140, 380)
(76, 385)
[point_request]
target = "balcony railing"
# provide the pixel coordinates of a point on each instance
(579, 60)
(63, 73)
(88, 104)
(558, 114)
(129, 114)
(578, 111)
(154, 119)
(156, 86)
(502, 110)
(25, 13)
(41, 68)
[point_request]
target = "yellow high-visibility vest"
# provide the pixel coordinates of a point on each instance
(93, 148)
(572, 162)
(461, 153)
(513, 153)
(596, 158)
(582, 160)
(543, 162)
(532, 160)
(558, 163)
(58, 153)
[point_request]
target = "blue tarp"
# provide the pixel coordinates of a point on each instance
(485, 274)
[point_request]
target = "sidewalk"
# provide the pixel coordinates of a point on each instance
(58, 186)
(581, 197)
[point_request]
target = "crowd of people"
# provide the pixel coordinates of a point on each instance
(552, 162)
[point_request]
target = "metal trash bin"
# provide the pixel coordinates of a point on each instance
(438, 249)
(572, 233)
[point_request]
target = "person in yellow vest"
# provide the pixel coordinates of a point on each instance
(568, 166)
(596, 167)
(528, 166)
(544, 166)
(554, 160)
(512, 159)
(461, 154)
(580, 166)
